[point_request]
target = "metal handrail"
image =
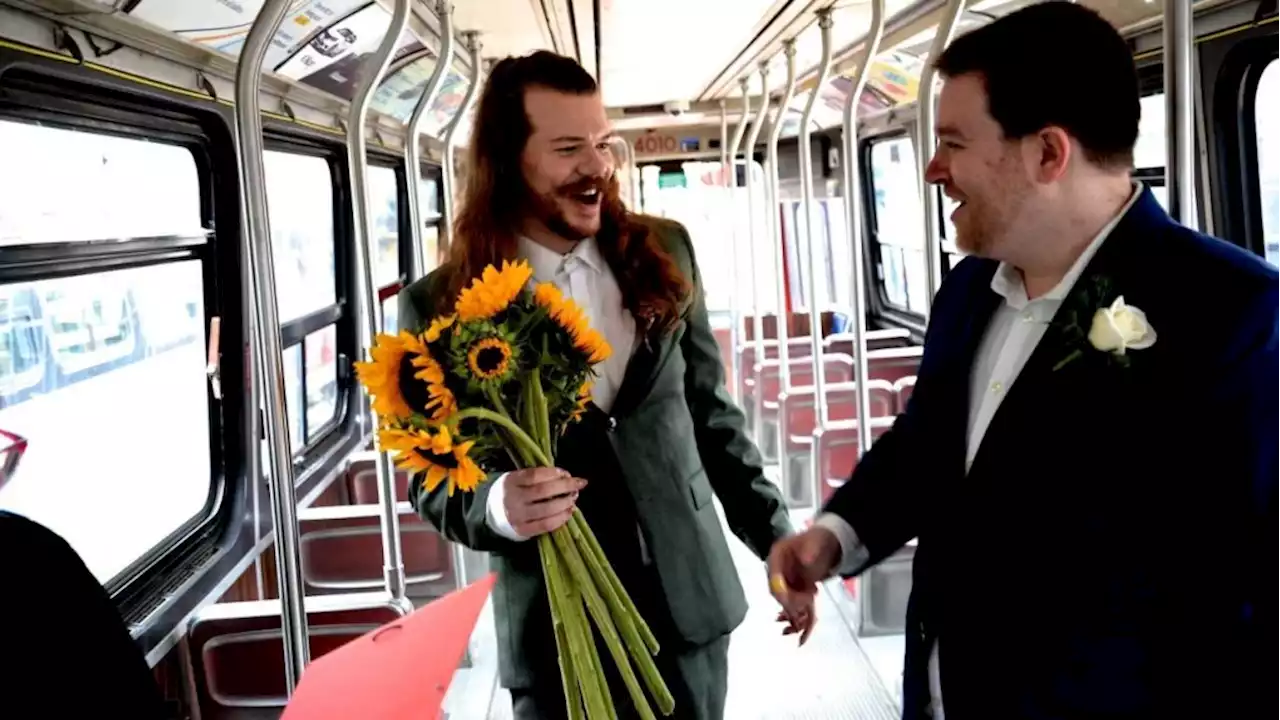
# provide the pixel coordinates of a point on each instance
(265, 328)
(413, 133)
(358, 162)
(927, 126)
(853, 209)
(825, 23)
(757, 282)
(735, 299)
(471, 39)
(1180, 108)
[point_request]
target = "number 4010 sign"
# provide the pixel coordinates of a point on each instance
(655, 144)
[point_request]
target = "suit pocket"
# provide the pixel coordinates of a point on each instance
(700, 489)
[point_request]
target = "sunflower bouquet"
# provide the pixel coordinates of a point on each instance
(496, 383)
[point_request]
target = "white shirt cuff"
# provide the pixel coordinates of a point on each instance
(853, 554)
(496, 511)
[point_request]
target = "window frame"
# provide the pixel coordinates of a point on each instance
(879, 301)
(61, 100)
(435, 173)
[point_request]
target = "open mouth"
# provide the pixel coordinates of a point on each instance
(590, 198)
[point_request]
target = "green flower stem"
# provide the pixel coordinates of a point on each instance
(592, 686)
(564, 647)
(578, 524)
(578, 572)
(518, 435)
(625, 619)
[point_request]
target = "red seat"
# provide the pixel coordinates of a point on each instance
(835, 450)
(904, 387)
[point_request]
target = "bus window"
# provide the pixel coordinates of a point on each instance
(300, 201)
(1266, 114)
(78, 186)
(898, 229)
(384, 242)
(109, 389)
(1151, 151)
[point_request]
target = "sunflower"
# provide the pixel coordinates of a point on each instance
(441, 403)
(493, 291)
(381, 375)
(433, 451)
(438, 326)
(490, 358)
(570, 316)
(584, 397)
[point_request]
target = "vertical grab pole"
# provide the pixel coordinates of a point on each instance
(413, 131)
(731, 168)
(471, 40)
(358, 161)
(268, 356)
(779, 251)
(853, 209)
(925, 106)
(757, 307)
(735, 386)
(815, 265)
(1179, 108)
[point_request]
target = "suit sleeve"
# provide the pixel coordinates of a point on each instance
(881, 506)
(1236, 456)
(753, 505)
(462, 518)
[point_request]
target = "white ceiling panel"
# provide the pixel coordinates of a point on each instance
(654, 51)
(507, 27)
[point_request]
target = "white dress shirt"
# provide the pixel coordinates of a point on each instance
(1015, 329)
(583, 276)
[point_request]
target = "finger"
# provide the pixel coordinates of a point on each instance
(545, 525)
(551, 488)
(808, 630)
(545, 509)
(537, 476)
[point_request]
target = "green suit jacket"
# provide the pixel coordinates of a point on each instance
(680, 440)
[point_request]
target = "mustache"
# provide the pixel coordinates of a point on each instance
(583, 185)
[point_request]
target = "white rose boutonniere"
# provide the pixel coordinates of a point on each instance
(1120, 327)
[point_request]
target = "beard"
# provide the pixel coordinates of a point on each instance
(574, 210)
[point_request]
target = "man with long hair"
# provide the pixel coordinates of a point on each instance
(661, 437)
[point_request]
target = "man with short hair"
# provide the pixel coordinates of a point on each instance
(662, 436)
(1089, 459)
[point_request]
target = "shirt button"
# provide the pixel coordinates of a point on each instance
(997, 387)
(613, 423)
(1028, 316)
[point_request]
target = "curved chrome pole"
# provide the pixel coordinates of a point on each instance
(268, 354)
(757, 282)
(775, 188)
(735, 299)
(358, 161)
(470, 39)
(779, 249)
(413, 134)
(806, 197)
(925, 106)
(633, 175)
(1179, 108)
(853, 210)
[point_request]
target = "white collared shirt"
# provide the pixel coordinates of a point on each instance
(584, 276)
(1011, 337)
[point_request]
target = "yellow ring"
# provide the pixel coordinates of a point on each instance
(778, 584)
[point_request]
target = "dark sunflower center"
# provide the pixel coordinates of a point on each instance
(446, 460)
(490, 359)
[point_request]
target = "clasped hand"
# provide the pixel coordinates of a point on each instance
(796, 565)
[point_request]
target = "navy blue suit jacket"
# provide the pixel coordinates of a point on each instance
(1112, 551)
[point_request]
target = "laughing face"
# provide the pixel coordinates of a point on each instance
(981, 170)
(568, 162)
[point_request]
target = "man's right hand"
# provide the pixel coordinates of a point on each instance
(539, 500)
(797, 564)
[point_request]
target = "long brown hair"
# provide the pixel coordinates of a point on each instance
(495, 196)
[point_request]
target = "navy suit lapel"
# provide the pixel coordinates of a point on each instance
(1115, 270)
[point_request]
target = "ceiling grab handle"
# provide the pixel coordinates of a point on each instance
(926, 106)
(825, 23)
(853, 210)
(413, 135)
(267, 352)
(735, 299)
(1179, 108)
(358, 162)
(757, 282)
(471, 40)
